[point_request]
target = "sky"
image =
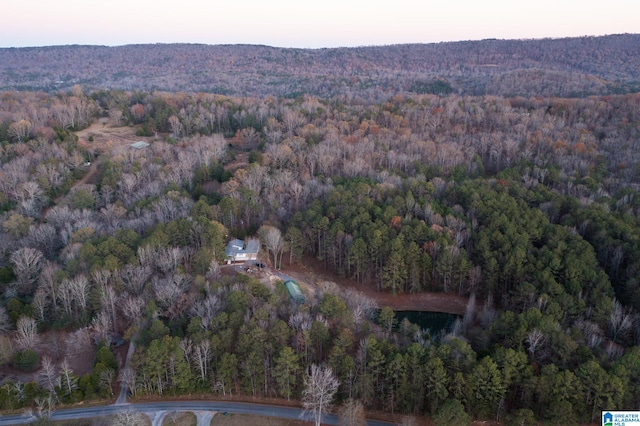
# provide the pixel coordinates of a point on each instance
(306, 24)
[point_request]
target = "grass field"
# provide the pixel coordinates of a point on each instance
(243, 420)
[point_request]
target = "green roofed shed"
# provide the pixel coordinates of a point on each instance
(294, 291)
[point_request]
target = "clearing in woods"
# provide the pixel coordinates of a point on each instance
(104, 138)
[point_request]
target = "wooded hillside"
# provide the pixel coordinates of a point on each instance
(548, 67)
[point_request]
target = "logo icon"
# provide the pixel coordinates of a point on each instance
(607, 419)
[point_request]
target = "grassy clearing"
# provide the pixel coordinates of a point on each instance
(105, 421)
(180, 419)
(243, 420)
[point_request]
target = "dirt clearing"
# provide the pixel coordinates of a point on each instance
(312, 277)
(102, 137)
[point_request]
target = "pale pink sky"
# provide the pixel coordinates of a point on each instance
(299, 23)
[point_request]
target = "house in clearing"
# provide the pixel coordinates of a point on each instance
(294, 291)
(240, 251)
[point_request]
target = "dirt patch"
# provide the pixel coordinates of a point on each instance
(90, 176)
(120, 353)
(312, 275)
(101, 137)
(180, 419)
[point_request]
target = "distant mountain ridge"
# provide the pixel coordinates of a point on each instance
(566, 67)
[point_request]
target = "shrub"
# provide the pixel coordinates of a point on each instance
(522, 417)
(452, 413)
(26, 360)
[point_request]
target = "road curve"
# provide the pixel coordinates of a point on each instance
(149, 407)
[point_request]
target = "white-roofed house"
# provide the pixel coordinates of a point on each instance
(241, 251)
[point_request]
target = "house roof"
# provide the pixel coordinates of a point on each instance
(236, 243)
(253, 246)
(139, 145)
(236, 247)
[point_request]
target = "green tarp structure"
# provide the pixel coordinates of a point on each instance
(294, 291)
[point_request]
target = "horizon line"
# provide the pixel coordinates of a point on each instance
(319, 48)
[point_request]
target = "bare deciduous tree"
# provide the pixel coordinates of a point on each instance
(20, 129)
(207, 309)
(135, 277)
(102, 325)
(27, 264)
(67, 380)
(81, 291)
(48, 283)
(127, 377)
(168, 290)
(291, 120)
(201, 357)
(31, 198)
(44, 238)
(132, 307)
(356, 300)
(65, 297)
(535, 338)
(113, 216)
(74, 295)
(213, 273)
(129, 418)
(620, 320)
(26, 333)
(48, 374)
(107, 377)
(109, 301)
(146, 256)
(273, 130)
(176, 126)
(59, 215)
(352, 413)
(320, 388)
(45, 406)
(272, 239)
(40, 303)
(249, 138)
(169, 258)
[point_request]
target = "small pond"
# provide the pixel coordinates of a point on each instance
(436, 322)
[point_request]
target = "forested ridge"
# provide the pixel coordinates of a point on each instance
(526, 205)
(568, 67)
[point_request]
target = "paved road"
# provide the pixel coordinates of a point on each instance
(169, 406)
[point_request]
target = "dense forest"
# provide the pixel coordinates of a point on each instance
(548, 67)
(527, 205)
